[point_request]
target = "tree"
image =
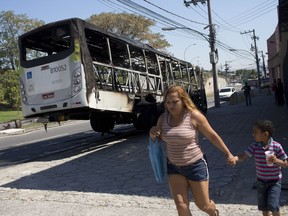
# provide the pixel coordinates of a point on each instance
(244, 73)
(9, 85)
(11, 27)
(132, 26)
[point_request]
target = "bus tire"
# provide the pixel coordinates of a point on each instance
(101, 122)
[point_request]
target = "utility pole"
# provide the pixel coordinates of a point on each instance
(226, 70)
(264, 68)
(213, 52)
(256, 54)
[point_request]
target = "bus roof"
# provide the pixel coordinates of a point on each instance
(84, 24)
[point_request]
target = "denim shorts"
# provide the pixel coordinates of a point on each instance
(269, 195)
(197, 171)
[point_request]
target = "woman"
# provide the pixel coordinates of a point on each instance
(186, 165)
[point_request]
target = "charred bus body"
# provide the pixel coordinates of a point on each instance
(71, 69)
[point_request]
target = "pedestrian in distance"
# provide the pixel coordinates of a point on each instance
(269, 158)
(247, 93)
(279, 93)
(187, 167)
(273, 87)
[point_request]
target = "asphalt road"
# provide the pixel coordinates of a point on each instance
(38, 143)
(26, 146)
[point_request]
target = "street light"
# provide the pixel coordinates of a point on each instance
(187, 28)
(257, 63)
(241, 50)
(212, 55)
(186, 50)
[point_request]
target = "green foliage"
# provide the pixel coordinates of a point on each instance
(132, 26)
(9, 85)
(11, 27)
(248, 74)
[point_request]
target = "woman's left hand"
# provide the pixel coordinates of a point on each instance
(231, 160)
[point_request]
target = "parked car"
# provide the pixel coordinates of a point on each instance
(226, 92)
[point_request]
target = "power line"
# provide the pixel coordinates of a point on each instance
(150, 13)
(122, 8)
(253, 10)
(224, 27)
(205, 24)
(139, 9)
(205, 17)
(227, 49)
(255, 17)
(247, 17)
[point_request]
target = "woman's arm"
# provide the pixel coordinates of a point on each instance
(200, 122)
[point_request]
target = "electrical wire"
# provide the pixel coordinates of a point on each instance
(139, 9)
(252, 10)
(163, 19)
(136, 11)
(176, 15)
(248, 17)
(229, 27)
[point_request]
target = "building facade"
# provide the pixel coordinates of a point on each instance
(277, 46)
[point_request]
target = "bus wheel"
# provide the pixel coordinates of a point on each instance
(101, 122)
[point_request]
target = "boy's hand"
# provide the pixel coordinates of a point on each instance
(272, 159)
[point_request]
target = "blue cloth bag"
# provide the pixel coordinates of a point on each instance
(156, 159)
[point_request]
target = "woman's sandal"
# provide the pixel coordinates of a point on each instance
(216, 212)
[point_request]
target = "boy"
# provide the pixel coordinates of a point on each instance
(268, 171)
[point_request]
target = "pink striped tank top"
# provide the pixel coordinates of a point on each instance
(182, 141)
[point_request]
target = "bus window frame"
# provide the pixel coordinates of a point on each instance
(46, 59)
(94, 57)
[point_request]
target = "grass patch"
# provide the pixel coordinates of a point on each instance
(6, 116)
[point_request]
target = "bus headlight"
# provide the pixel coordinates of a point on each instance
(76, 82)
(23, 92)
(77, 89)
(22, 86)
(24, 99)
(77, 73)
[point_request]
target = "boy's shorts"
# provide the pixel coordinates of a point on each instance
(197, 171)
(269, 195)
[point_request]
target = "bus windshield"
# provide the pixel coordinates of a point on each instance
(50, 41)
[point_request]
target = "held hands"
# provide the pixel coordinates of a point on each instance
(232, 160)
(154, 132)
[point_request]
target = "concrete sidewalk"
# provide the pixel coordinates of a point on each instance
(12, 131)
(119, 181)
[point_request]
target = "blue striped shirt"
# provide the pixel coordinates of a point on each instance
(264, 172)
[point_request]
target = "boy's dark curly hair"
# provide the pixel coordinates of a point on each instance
(265, 126)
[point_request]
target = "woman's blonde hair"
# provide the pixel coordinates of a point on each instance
(188, 103)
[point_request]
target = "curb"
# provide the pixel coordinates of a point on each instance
(13, 131)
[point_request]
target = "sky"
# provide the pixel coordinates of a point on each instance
(230, 18)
